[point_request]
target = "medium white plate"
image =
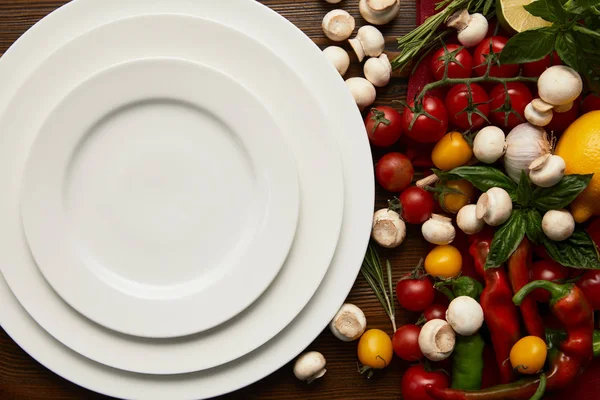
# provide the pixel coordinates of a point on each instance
(305, 128)
(131, 198)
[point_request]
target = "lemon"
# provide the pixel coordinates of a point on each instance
(513, 17)
(579, 146)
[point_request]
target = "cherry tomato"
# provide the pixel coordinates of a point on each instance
(451, 151)
(435, 311)
(453, 202)
(384, 126)
(546, 270)
(406, 342)
(444, 262)
(535, 68)
(528, 355)
(589, 283)
(493, 45)
(519, 96)
(457, 104)
(394, 172)
(417, 205)
(591, 102)
(375, 349)
(426, 129)
(416, 378)
(561, 121)
(461, 68)
(415, 293)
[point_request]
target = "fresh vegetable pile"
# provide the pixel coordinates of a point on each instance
(507, 134)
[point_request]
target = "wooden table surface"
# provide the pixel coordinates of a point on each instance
(22, 378)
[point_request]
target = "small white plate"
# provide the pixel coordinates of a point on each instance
(303, 123)
(152, 192)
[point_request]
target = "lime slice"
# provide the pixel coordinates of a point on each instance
(513, 17)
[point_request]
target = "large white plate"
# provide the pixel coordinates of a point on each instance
(130, 198)
(305, 128)
(345, 123)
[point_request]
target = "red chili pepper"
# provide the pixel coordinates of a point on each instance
(501, 315)
(567, 361)
(519, 267)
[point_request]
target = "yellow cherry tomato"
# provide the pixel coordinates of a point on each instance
(375, 349)
(453, 202)
(528, 355)
(451, 151)
(444, 262)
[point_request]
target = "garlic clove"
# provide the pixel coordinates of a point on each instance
(524, 144)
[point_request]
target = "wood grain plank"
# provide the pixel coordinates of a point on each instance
(22, 378)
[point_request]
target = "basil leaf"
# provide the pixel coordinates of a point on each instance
(524, 190)
(579, 51)
(579, 6)
(530, 45)
(533, 225)
(506, 240)
(550, 10)
(562, 194)
(578, 251)
(484, 178)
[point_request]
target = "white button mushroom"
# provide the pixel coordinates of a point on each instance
(489, 144)
(438, 230)
(494, 206)
(362, 90)
(465, 315)
(472, 29)
(389, 230)
(310, 366)
(467, 220)
(378, 70)
(437, 340)
(558, 225)
(547, 170)
(333, 1)
(349, 323)
(379, 12)
(338, 57)
(338, 25)
(538, 112)
(559, 85)
(369, 41)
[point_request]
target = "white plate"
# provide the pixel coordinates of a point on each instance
(344, 122)
(305, 128)
(130, 198)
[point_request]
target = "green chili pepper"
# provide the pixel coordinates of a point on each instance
(461, 286)
(467, 362)
(539, 393)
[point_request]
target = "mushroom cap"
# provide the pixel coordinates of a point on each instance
(547, 170)
(371, 40)
(349, 323)
(362, 90)
(333, 1)
(389, 230)
(338, 57)
(338, 25)
(558, 225)
(494, 206)
(379, 12)
(438, 230)
(536, 117)
(467, 220)
(437, 339)
(559, 85)
(310, 366)
(489, 144)
(378, 71)
(465, 315)
(474, 32)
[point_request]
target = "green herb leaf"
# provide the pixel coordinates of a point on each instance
(482, 177)
(579, 51)
(550, 10)
(562, 194)
(580, 6)
(524, 190)
(533, 225)
(487, 5)
(506, 240)
(530, 45)
(578, 251)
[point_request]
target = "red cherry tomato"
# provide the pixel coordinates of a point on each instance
(534, 69)
(461, 68)
(589, 283)
(457, 103)
(417, 205)
(406, 342)
(416, 378)
(494, 45)
(426, 129)
(415, 293)
(435, 311)
(384, 126)
(561, 121)
(519, 96)
(546, 270)
(591, 102)
(394, 172)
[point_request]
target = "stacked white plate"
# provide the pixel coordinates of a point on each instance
(187, 194)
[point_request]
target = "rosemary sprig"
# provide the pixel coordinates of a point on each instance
(380, 282)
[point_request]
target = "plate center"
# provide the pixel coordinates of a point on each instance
(155, 193)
